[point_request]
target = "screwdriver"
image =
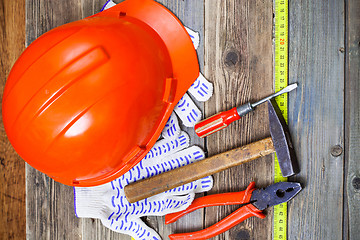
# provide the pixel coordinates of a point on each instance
(223, 119)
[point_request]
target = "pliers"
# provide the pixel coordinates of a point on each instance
(256, 201)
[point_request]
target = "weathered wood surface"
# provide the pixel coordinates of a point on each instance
(12, 168)
(352, 122)
(239, 61)
(316, 117)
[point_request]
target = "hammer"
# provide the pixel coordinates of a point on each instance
(279, 142)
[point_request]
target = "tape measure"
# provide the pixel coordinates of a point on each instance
(281, 81)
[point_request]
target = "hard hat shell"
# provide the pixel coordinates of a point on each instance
(87, 100)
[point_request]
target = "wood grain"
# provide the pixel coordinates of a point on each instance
(238, 60)
(236, 55)
(316, 117)
(12, 167)
(352, 122)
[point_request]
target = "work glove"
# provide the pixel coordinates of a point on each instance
(108, 203)
(201, 89)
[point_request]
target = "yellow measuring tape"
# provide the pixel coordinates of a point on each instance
(281, 81)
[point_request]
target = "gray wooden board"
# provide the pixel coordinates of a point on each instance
(50, 213)
(239, 61)
(316, 116)
(352, 122)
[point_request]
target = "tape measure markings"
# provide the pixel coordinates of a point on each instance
(281, 81)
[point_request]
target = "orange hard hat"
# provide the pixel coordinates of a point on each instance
(87, 100)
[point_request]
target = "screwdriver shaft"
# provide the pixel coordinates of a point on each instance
(284, 90)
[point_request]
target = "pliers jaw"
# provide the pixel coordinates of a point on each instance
(255, 201)
(274, 194)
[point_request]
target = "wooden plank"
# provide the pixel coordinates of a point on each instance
(352, 122)
(239, 61)
(49, 207)
(12, 167)
(316, 117)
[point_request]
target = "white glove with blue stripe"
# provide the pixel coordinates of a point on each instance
(108, 202)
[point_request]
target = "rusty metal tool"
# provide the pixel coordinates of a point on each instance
(255, 200)
(279, 142)
(223, 119)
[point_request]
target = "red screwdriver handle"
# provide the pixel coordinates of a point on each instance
(230, 221)
(216, 122)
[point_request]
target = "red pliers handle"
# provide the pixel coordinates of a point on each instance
(225, 224)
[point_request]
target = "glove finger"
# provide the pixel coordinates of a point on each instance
(157, 205)
(201, 89)
(187, 111)
(195, 37)
(88, 201)
(182, 158)
(172, 129)
(163, 205)
(202, 185)
(149, 166)
(108, 5)
(135, 227)
(119, 208)
(148, 169)
(164, 148)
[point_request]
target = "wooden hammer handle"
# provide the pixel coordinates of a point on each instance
(197, 170)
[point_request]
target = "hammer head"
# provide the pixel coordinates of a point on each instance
(282, 141)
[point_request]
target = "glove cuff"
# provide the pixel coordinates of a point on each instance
(89, 201)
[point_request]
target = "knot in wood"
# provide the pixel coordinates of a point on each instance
(356, 183)
(243, 234)
(231, 58)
